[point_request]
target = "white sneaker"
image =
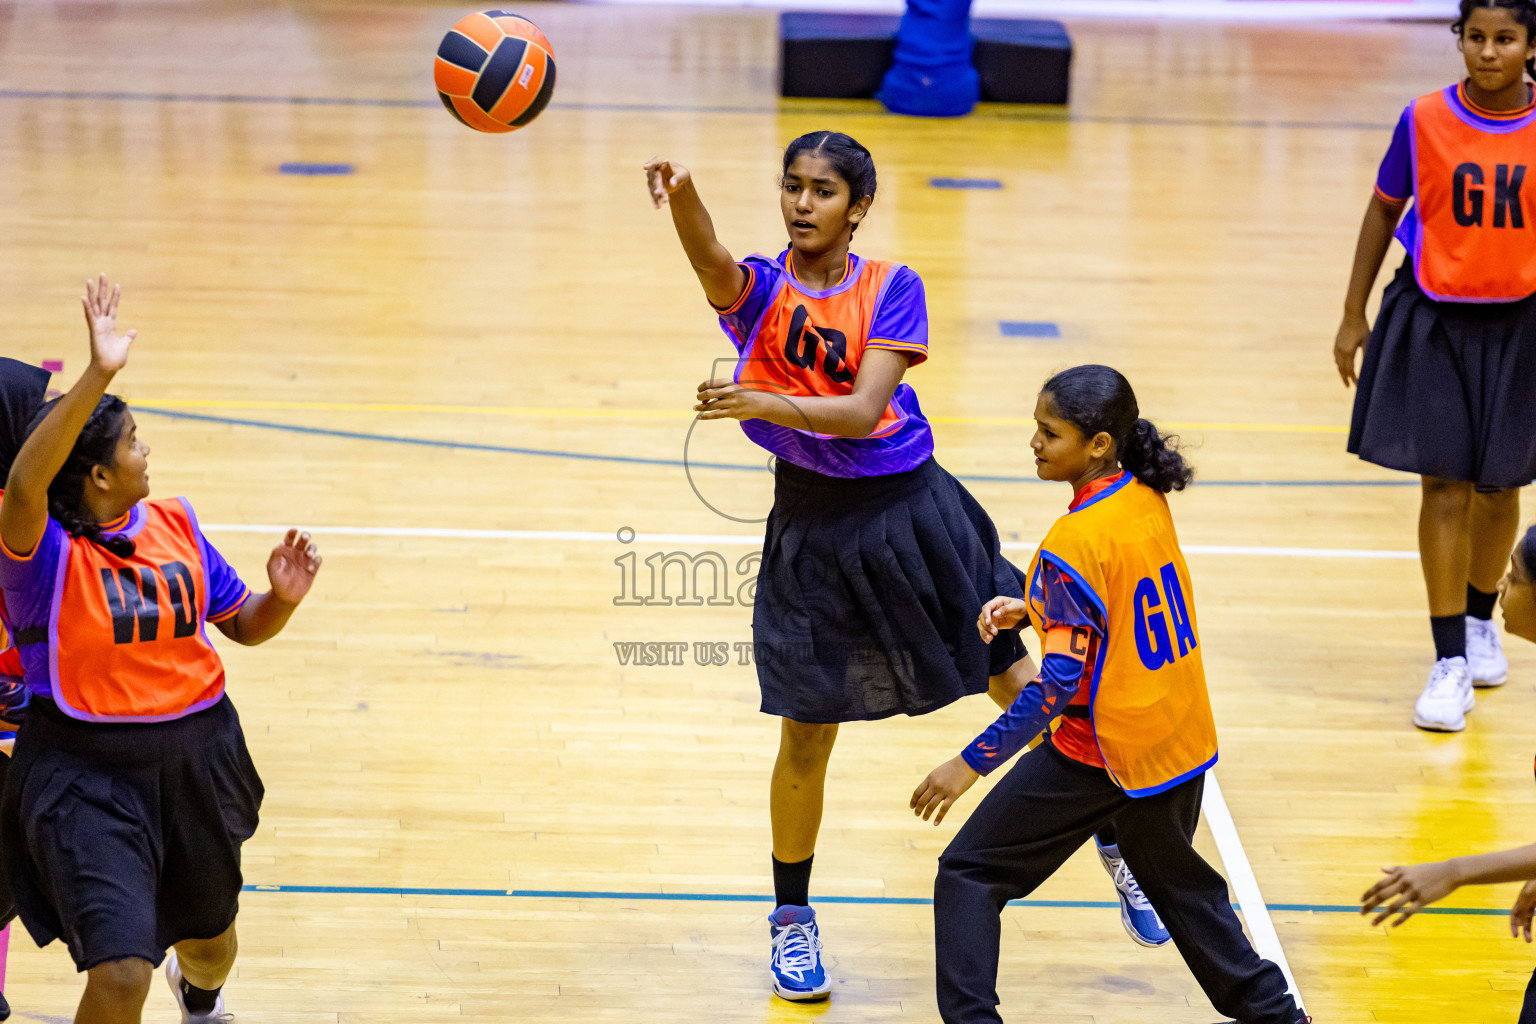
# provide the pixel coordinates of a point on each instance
(173, 978)
(1447, 697)
(1485, 654)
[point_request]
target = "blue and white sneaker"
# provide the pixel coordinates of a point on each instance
(1141, 922)
(796, 964)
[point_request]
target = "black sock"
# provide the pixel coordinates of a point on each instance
(198, 1000)
(1450, 635)
(792, 883)
(1106, 835)
(1479, 604)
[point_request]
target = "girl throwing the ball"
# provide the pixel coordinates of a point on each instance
(1449, 369)
(1111, 598)
(131, 790)
(875, 558)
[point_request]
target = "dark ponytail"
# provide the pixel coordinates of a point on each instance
(850, 160)
(96, 446)
(1098, 399)
(1523, 11)
(1525, 550)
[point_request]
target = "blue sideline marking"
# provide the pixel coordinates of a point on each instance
(1029, 329)
(313, 170)
(676, 108)
(636, 460)
(738, 897)
(977, 183)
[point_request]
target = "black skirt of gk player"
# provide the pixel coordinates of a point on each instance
(868, 594)
(1446, 388)
(123, 839)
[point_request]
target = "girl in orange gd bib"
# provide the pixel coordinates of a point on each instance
(1111, 598)
(131, 789)
(875, 558)
(1449, 370)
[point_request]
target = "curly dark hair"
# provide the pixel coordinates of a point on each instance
(96, 446)
(1096, 399)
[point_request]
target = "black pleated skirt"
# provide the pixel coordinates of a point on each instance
(1448, 389)
(868, 594)
(124, 839)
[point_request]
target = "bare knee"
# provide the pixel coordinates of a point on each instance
(121, 982)
(806, 746)
(1446, 499)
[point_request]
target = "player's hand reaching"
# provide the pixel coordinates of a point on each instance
(292, 567)
(663, 177)
(109, 350)
(943, 786)
(1520, 913)
(1351, 338)
(1410, 889)
(999, 614)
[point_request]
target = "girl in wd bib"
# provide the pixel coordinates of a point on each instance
(131, 790)
(1446, 382)
(875, 558)
(1110, 595)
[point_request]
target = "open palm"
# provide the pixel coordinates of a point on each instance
(292, 566)
(109, 350)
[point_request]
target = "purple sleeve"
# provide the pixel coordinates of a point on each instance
(738, 320)
(1394, 181)
(31, 577)
(1067, 606)
(226, 590)
(901, 317)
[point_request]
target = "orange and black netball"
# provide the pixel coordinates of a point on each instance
(495, 71)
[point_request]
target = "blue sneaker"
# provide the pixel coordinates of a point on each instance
(1141, 922)
(796, 964)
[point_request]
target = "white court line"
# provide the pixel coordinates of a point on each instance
(1244, 885)
(610, 537)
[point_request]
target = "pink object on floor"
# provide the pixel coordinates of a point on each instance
(5, 948)
(53, 365)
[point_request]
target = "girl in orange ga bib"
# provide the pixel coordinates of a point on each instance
(1450, 367)
(875, 558)
(1111, 597)
(131, 789)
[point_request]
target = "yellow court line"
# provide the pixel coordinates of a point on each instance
(535, 412)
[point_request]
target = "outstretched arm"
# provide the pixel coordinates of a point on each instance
(1416, 886)
(291, 569)
(671, 184)
(24, 513)
(1381, 219)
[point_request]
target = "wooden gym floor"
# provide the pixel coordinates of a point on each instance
(468, 794)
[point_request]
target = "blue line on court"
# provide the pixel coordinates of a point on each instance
(314, 170)
(675, 108)
(739, 897)
(636, 460)
(984, 184)
(1028, 329)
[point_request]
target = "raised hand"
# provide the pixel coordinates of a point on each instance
(663, 177)
(292, 567)
(109, 350)
(1410, 889)
(998, 614)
